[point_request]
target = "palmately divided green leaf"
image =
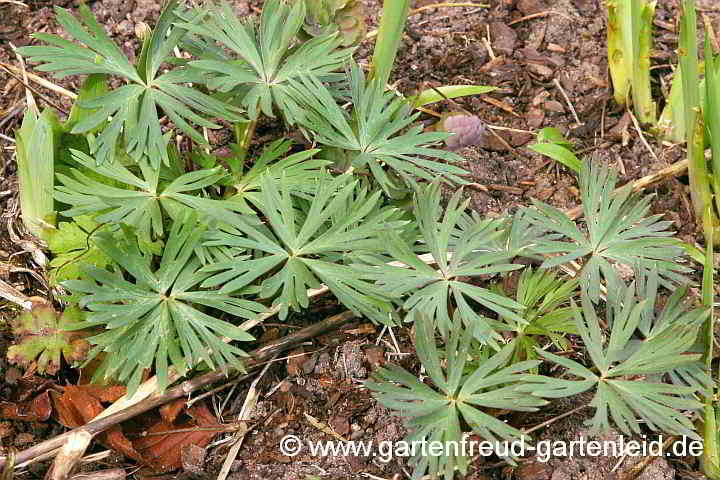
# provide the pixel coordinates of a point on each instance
(629, 373)
(459, 255)
(134, 107)
(435, 414)
(377, 135)
(546, 298)
(299, 171)
(72, 246)
(619, 233)
(300, 248)
(269, 57)
(140, 200)
(158, 317)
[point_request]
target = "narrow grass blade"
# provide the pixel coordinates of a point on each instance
(558, 153)
(433, 95)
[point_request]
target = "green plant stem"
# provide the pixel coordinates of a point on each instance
(642, 17)
(695, 134)
(712, 119)
(629, 42)
(392, 25)
(710, 448)
(618, 17)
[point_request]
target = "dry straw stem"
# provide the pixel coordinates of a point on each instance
(111, 474)
(69, 455)
(245, 413)
(39, 80)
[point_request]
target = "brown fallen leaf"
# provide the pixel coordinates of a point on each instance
(164, 452)
(170, 411)
(36, 410)
(79, 404)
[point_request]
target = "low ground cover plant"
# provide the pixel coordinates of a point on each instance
(171, 253)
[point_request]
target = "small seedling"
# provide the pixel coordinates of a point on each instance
(551, 143)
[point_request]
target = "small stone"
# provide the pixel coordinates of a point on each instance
(503, 38)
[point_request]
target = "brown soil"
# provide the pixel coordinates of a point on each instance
(538, 53)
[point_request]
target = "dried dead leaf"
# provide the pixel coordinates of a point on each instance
(170, 411)
(81, 403)
(36, 410)
(163, 453)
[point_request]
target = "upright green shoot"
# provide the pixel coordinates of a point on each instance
(699, 191)
(37, 141)
(392, 24)
(629, 42)
(711, 446)
(701, 183)
(712, 121)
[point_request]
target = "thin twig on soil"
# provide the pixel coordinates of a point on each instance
(15, 2)
(33, 90)
(554, 419)
(218, 389)
(556, 82)
(110, 474)
(15, 296)
(642, 137)
(638, 468)
(448, 4)
(538, 15)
